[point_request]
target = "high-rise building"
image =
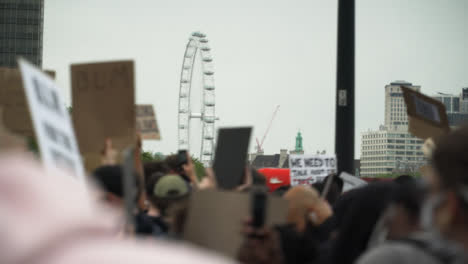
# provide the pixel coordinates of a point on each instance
(395, 107)
(451, 102)
(21, 28)
(391, 149)
(464, 100)
(456, 107)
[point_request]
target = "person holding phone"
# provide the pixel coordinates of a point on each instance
(182, 164)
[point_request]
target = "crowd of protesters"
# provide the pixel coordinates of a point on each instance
(48, 218)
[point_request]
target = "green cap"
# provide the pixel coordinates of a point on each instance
(171, 186)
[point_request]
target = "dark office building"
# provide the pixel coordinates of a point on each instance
(457, 119)
(21, 27)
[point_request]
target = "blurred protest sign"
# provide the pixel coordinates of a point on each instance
(307, 169)
(231, 156)
(215, 217)
(103, 96)
(351, 181)
(426, 116)
(52, 124)
(146, 122)
(16, 117)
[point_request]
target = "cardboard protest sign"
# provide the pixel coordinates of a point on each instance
(231, 156)
(427, 117)
(146, 122)
(52, 124)
(215, 217)
(16, 116)
(9, 140)
(103, 96)
(307, 169)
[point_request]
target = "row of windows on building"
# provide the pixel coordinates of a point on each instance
(375, 170)
(387, 164)
(387, 135)
(19, 20)
(10, 60)
(397, 141)
(22, 6)
(365, 160)
(408, 147)
(17, 35)
(389, 152)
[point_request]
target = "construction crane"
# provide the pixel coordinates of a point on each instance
(260, 143)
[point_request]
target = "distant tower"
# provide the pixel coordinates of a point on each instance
(298, 149)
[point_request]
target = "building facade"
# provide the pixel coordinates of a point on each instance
(451, 102)
(456, 107)
(464, 100)
(395, 107)
(21, 30)
(391, 149)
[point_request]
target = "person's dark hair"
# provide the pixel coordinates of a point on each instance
(364, 207)
(409, 193)
(153, 167)
(110, 179)
(173, 163)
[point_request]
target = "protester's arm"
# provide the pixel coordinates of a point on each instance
(209, 181)
(247, 181)
(108, 154)
(189, 170)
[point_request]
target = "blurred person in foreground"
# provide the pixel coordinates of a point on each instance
(444, 214)
(403, 216)
(68, 226)
(360, 208)
(356, 217)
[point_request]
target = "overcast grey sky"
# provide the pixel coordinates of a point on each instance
(266, 53)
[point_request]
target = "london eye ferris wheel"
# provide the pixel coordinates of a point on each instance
(197, 48)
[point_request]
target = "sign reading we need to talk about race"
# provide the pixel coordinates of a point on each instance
(51, 121)
(307, 169)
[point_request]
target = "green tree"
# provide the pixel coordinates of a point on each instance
(199, 168)
(148, 156)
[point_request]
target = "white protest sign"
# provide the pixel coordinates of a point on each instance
(51, 120)
(308, 169)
